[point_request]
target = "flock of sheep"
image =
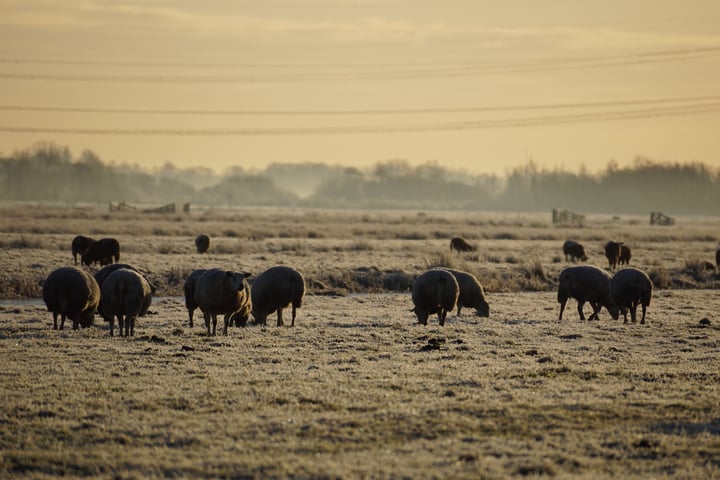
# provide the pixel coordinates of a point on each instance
(620, 293)
(121, 291)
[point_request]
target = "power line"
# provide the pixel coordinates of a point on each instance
(691, 52)
(406, 71)
(475, 109)
(671, 111)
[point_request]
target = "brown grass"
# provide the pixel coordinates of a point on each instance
(358, 389)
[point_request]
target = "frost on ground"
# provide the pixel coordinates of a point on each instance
(358, 389)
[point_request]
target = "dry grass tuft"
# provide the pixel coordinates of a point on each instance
(441, 259)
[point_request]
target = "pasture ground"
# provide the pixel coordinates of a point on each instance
(357, 388)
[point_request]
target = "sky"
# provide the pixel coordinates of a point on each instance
(478, 85)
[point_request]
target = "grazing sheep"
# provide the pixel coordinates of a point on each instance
(239, 318)
(73, 293)
(104, 252)
(126, 295)
(574, 251)
(586, 283)
(612, 252)
(459, 244)
(471, 293)
(630, 287)
(625, 255)
(222, 292)
(202, 243)
(434, 291)
(275, 289)
(79, 246)
(103, 273)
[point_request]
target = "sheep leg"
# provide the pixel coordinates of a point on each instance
(55, 325)
(130, 326)
(562, 308)
(279, 317)
(441, 315)
(596, 306)
(206, 316)
(581, 304)
(227, 321)
(62, 320)
(294, 312)
(624, 312)
(190, 314)
(121, 325)
(214, 323)
(642, 321)
(112, 325)
(633, 311)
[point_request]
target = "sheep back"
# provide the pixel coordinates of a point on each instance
(612, 253)
(629, 288)
(461, 245)
(73, 293)
(104, 252)
(104, 272)
(434, 291)
(586, 283)
(471, 293)
(625, 255)
(126, 294)
(273, 290)
(189, 291)
(202, 243)
(574, 250)
(79, 245)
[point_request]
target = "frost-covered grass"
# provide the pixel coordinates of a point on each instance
(358, 390)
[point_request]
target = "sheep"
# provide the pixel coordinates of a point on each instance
(222, 292)
(202, 243)
(574, 251)
(434, 291)
(104, 272)
(461, 245)
(104, 251)
(625, 255)
(471, 293)
(586, 283)
(126, 295)
(612, 252)
(275, 289)
(73, 293)
(79, 246)
(630, 287)
(239, 318)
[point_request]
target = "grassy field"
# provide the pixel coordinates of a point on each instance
(357, 388)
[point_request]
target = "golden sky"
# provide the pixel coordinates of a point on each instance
(482, 85)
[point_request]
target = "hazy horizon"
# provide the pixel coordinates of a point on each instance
(483, 86)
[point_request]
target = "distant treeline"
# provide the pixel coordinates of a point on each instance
(48, 172)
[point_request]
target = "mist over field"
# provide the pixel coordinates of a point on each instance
(49, 172)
